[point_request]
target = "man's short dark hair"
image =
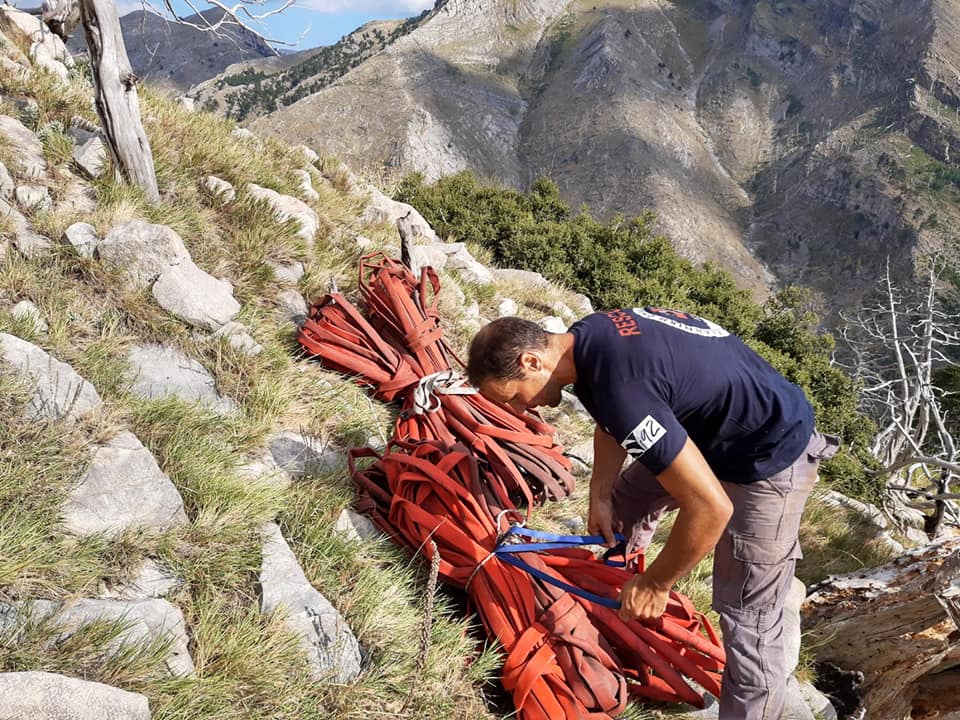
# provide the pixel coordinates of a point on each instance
(495, 350)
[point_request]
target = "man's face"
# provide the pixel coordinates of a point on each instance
(534, 388)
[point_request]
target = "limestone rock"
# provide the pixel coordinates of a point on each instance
(243, 134)
(79, 198)
(123, 488)
(91, 157)
(332, 649)
(472, 310)
(507, 308)
(896, 624)
(25, 310)
(309, 155)
(142, 250)
(306, 186)
(293, 306)
(220, 189)
(470, 269)
(355, 527)
(187, 103)
(196, 297)
(7, 185)
(286, 208)
(382, 209)
(553, 324)
(817, 702)
(28, 243)
(58, 391)
(265, 471)
(428, 256)
(46, 696)
(151, 581)
(584, 306)
(158, 371)
(82, 237)
(300, 455)
(31, 196)
(791, 624)
(287, 272)
(238, 337)
(26, 148)
(144, 620)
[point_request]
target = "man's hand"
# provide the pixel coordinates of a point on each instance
(600, 520)
(640, 599)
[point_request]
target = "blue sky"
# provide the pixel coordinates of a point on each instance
(323, 21)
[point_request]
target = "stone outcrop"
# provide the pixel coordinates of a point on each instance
(46, 696)
(142, 250)
(143, 621)
(196, 297)
(332, 650)
(159, 371)
(287, 208)
(57, 390)
(298, 454)
(123, 489)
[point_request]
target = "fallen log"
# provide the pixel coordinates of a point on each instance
(898, 625)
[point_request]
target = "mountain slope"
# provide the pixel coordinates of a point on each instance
(175, 57)
(761, 133)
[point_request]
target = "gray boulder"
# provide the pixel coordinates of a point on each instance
(142, 250)
(78, 198)
(520, 277)
(26, 310)
(507, 307)
(286, 208)
(287, 272)
(7, 185)
(428, 256)
(123, 488)
(243, 134)
(45, 696)
(159, 371)
(25, 147)
(144, 621)
(293, 306)
(196, 297)
(82, 237)
(553, 324)
(151, 581)
(460, 259)
(220, 189)
(28, 243)
(331, 647)
(355, 527)
(791, 624)
(382, 209)
(29, 196)
(58, 391)
(264, 470)
(238, 337)
(306, 186)
(91, 157)
(300, 455)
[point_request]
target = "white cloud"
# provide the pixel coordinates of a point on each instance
(384, 7)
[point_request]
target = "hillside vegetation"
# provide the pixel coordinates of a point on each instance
(249, 664)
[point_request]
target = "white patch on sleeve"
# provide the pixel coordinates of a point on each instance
(644, 436)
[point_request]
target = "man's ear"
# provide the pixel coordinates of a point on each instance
(530, 362)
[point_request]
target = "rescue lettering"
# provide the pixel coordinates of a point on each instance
(624, 322)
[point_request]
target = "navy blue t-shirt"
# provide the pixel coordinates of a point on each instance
(652, 377)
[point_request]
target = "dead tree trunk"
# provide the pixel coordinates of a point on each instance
(897, 624)
(116, 96)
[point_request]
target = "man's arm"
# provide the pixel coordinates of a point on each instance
(704, 510)
(608, 457)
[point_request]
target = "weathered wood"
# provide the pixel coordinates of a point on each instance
(407, 234)
(897, 624)
(116, 96)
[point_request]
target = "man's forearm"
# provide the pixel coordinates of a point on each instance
(694, 534)
(608, 457)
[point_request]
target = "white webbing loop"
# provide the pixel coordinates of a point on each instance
(425, 398)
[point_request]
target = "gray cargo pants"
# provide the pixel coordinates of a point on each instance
(753, 568)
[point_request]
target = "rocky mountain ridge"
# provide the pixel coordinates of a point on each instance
(789, 140)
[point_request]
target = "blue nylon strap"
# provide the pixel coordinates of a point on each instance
(553, 541)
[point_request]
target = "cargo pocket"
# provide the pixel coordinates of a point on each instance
(758, 573)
